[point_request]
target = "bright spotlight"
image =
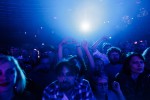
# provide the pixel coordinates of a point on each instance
(85, 26)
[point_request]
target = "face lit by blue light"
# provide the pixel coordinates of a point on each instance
(66, 78)
(8, 75)
(136, 65)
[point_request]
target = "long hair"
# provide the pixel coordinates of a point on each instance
(21, 79)
(126, 64)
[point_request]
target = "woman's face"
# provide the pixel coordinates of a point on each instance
(136, 65)
(8, 76)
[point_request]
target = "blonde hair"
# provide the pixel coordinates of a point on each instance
(21, 78)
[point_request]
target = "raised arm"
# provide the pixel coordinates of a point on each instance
(95, 45)
(90, 57)
(60, 48)
(81, 57)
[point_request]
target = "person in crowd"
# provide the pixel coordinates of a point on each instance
(68, 86)
(102, 55)
(76, 60)
(146, 55)
(95, 63)
(41, 76)
(101, 90)
(63, 48)
(12, 80)
(134, 82)
(115, 66)
(76, 57)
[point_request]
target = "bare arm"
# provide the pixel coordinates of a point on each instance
(80, 55)
(90, 57)
(60, 48)
(95, 45)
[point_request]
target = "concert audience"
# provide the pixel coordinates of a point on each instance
(70, 71)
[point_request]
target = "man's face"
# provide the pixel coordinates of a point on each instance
(114, 57)
(66, 79)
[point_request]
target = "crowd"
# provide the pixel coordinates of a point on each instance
(76, 71)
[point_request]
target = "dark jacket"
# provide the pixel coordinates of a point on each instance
(135, 90)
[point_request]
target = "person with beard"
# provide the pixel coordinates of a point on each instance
(68, 86)
(115, 66)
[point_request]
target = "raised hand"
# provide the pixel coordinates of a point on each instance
(116, 86)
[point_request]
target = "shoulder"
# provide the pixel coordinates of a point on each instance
(83, 90)
(51, 91)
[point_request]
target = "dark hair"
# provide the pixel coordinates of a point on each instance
(126, 66)
(113, 49)
(73, 68)
(96, 76)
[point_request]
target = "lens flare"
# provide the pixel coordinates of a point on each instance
(85, 26)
